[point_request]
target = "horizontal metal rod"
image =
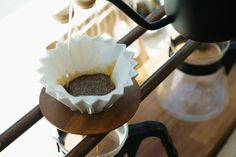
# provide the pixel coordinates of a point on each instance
(85, 145)
(20, 127)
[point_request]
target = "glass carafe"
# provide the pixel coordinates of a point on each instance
(108, 147)
(197, 90)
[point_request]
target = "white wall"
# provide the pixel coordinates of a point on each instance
(9, 6)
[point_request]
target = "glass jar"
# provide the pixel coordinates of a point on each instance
(197, 90)
(108, 147)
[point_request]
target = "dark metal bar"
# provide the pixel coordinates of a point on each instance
(20, 127)
(153, 81)
(85, 146)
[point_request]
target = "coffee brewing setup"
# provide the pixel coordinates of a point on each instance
(92, 118)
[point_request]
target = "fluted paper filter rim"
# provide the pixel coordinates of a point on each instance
(87, 55)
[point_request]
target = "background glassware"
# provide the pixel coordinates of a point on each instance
(197, 98)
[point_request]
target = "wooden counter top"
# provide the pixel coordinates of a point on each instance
(192, 139)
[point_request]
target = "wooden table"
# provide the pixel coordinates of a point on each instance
(192, 139)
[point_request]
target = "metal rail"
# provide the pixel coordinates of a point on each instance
(17, 129)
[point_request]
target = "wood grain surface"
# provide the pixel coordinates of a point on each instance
(89, 124)
(192, 139)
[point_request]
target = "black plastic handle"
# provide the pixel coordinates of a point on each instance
(140, 131)
(139, 19)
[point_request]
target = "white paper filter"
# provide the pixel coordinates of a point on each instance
(87, 56)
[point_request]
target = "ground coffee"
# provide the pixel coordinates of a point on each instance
(95, 84)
